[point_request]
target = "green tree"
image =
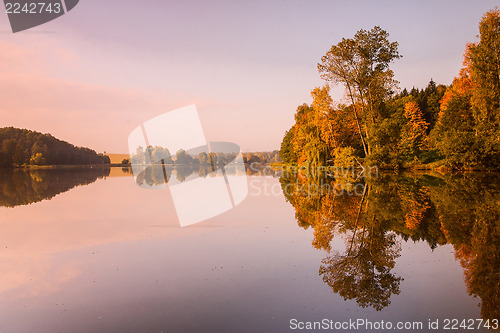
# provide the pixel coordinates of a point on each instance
(287, 153)
(8, 151)
(483, 60)
(483, 64)
(305, 136)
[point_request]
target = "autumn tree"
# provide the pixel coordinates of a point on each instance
(364, 271)
(319, 130)
(483, 60)
(307, 142)
(361, 64)
(456, 125)
(468, 130)
(37, 159)
(414, 135)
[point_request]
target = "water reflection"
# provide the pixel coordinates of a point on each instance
(110, 257)
(158, 175)
(27, 186)
(462, 210)
(23, 187)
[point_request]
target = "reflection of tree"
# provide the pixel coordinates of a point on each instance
(23, 187)
(203, 171)
(469, 209)
(183, 172)
(340, 207)
(463, 211)
(481, 262)
(160, 155)
(363, 272)
(157, 175)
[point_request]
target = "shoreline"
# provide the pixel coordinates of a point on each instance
(274, 165)
(62, 166)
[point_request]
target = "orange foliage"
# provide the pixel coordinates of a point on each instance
(462, 85)
(416, 213)
(414, 134)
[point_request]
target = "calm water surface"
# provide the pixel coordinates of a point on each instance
(87, 250)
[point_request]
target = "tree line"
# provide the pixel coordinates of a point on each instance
(456, 126)
(162, 155)
(22, 147)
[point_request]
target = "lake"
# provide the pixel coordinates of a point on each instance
(87, 250)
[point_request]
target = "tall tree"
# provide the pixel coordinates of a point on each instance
(361, 64)
(287, 153)
(414, 132)
(468, 129)
(483, 60)
(305, 138)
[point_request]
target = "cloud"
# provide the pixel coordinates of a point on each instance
(86, 114)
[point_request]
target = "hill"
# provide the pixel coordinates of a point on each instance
(20, 147)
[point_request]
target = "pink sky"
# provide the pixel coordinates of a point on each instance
(93, 75)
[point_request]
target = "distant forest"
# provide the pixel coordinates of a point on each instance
(22, 147)
(455, 126)
(262, 157)
(161, 155)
